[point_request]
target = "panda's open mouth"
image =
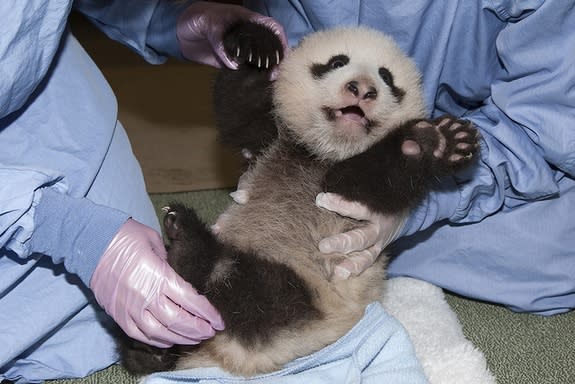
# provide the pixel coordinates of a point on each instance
(353, 113)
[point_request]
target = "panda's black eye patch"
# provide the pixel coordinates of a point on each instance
(335, 62)
(338, 61)
(387, 78)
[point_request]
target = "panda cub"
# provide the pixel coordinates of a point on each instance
(345, 115)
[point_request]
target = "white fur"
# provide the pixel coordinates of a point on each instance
(300, 98)
(446, 355)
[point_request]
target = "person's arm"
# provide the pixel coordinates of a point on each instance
(147, 27)
(73, 231)
(31, 33)
(125, 264)
(51, 153)
(191, 29)
(528, 143)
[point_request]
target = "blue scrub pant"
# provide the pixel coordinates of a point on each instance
(71, 339)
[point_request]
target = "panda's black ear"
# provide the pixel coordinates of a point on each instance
(254, 45)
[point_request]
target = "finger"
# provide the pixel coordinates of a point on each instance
(158, 246)
(274, 74)
(177, 325)
(355, 240)
(183, 294)
(273, 25)
(336, 203)
(357, 263)
(279, 31)
(156, 333)
(133, 330)
(220, 52)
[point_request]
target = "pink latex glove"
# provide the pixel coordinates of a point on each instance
(200, 30)
(362, 245)
(143, 294)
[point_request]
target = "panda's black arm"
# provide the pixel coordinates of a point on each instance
(388, 180)
(243, 97)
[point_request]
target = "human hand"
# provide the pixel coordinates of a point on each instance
(200, 30)
(145, 296)
(364, 244)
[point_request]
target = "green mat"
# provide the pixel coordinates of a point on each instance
(519, 348)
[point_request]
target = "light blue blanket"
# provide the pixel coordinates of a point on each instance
(377, 350)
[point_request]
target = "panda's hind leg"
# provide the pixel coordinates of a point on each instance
(192, 248)
(141, 359)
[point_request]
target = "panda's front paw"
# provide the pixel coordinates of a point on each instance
(447, 143)
(253, 44)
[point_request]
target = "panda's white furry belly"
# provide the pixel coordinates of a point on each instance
(281, 222)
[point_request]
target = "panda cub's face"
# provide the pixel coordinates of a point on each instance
(340, 91)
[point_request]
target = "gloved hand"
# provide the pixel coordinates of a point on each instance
(363, 244)
(200, 30)
(143, 294)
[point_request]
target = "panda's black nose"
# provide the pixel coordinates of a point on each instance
(361, 89)
(352, 87)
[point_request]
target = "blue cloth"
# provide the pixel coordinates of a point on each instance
(376, 350)
(61, 148)
(503, 231)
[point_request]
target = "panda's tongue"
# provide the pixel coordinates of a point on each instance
(352, 112)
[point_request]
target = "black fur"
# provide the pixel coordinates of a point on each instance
(318, 70)
(142, 359)
(387, 77)
(256, 298)
(390, 181)
(254, 128)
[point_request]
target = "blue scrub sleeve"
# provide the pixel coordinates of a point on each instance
(147, 28)
(74, 231)
(57, 118)
(528, 143)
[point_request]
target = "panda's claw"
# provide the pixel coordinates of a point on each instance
(253, 45)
